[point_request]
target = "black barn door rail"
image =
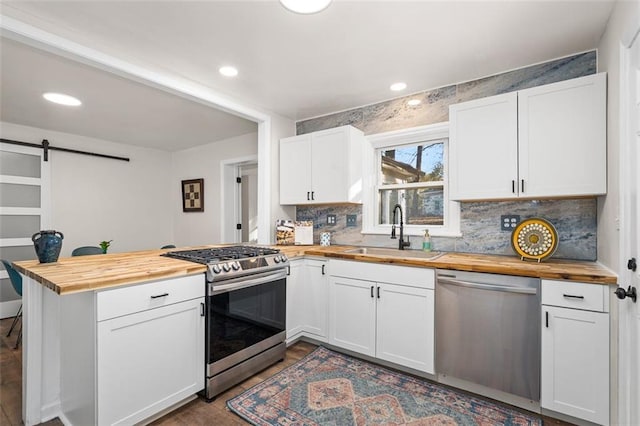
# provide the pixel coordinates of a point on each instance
(46, 147)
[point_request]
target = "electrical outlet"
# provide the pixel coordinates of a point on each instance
(331, 219)
(352, 220)
(509, 221)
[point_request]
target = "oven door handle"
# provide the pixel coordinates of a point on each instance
(244, 282)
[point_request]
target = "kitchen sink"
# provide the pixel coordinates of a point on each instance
(379, 251)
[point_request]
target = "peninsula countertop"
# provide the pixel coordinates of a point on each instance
(98, 272)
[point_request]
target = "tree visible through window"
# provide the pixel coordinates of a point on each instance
(412, 176)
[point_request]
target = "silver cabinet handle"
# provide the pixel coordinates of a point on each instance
(490, 287)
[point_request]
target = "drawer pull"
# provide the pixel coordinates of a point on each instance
(157, 296)
(571, 296)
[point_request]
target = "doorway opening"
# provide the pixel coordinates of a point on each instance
(240, 200)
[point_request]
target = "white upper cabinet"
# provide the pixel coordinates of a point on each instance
(322, 167)
(483, 148)
(562, 138)
(543, 142)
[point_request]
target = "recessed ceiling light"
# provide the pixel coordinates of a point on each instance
(228, 71)
(62, 99)
(396, 87)
(305, 7)
(414, 102)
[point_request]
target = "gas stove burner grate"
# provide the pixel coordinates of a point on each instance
(221, 254)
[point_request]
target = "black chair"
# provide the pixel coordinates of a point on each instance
(16, 282)
(86, 250)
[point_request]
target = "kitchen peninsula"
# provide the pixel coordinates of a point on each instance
(61, 354)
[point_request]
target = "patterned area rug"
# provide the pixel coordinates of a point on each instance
(328, 388)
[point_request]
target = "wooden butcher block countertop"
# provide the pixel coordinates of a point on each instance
(588, 272)
(87, 273)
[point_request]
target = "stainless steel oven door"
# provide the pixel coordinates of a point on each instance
(246, 316)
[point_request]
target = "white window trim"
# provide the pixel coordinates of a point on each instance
(370, 172)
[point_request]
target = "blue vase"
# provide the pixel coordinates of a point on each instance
(47, 245)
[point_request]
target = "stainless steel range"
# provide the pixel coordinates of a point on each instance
(246, 310)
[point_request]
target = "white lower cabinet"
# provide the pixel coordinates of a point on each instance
(148, 361)
(307, 297)
(130, 353)
(383, 311)
(352, 314)
(575, 350)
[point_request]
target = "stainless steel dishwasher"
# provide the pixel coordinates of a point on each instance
(488, 332)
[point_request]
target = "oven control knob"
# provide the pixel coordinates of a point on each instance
(235, 266)
(216, 269)
(283, 258)
(276, 259)
(226, 267)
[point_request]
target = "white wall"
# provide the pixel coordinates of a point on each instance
(609, 60)
(200, 228)
(95, 199)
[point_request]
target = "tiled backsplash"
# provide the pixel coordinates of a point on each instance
(575, 220)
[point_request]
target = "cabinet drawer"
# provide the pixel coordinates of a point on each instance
(588, 297)
(137, 298)
(401, 275)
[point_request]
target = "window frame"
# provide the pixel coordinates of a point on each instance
(371, 169)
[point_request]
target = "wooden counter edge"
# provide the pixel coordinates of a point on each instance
(603, 276)
(593, 272)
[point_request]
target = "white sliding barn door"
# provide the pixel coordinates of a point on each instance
(24, 210)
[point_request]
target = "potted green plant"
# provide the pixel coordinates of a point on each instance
(104, 245)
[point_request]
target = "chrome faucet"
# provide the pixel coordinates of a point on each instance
(401, 243)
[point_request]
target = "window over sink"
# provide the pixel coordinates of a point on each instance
(409, 167)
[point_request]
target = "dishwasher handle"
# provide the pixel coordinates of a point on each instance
(491, 287)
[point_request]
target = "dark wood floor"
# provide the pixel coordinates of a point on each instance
(196, 412)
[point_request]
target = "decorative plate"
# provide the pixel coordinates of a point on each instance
(534, 239)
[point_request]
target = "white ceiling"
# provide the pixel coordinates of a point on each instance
(298, 66)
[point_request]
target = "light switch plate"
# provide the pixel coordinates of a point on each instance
(352, 220)
(508, 222)
(331, 219)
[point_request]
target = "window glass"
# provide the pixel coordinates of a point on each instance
(417, 163)
(15, 226)
(420, 206)
(16, 253)
(16, 164)
(17, 195)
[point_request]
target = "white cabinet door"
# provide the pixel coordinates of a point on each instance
(547, 141)
(562, 138)
(148, 361)
(296, 298)
(483, 148)
(322, 167)
(405, 326)
(575, 363)
(352, 314)
(330, 165)
(317, 298)
(295, 173)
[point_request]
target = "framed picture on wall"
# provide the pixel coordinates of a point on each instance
(193, 195)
